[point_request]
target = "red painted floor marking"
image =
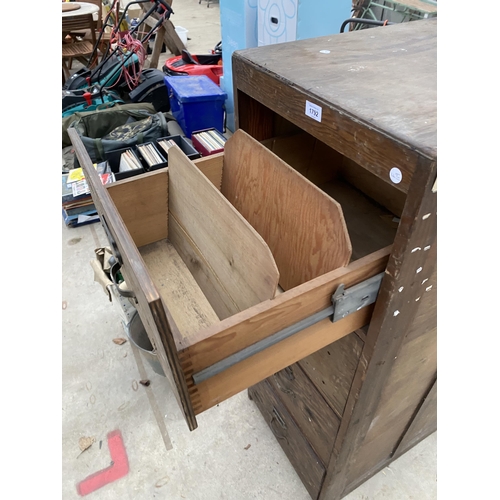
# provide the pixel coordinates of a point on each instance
(118, 469)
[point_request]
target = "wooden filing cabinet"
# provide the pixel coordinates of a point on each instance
(357, 108)
(327, 188)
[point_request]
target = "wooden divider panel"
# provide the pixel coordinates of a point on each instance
(142, 202)
(215, 241)
(304, 227)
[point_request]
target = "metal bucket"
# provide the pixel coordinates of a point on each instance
(138, 336)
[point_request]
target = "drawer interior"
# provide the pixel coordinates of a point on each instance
(212, 242)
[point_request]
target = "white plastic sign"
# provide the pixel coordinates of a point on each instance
(313, 111)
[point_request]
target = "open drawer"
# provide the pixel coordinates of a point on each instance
(233, 261)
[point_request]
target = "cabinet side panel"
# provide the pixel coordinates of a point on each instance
(413, 374)
(402, 334)
(424, 423)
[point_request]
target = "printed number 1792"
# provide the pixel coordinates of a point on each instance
(313, 111)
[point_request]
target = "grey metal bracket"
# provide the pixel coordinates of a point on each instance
(344, 302)
(356, 297)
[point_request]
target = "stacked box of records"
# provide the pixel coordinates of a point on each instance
(124, 163)
(165, 143)
(150, 156)
(208, 142)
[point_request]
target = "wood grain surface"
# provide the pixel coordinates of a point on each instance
(157, 321)
(142, 202)
(236, 259)
(304, 228)
(365, 114)
(288, 435)
(211, 166)
(305, 404)
(259, 322)
(178, 288)
(256, 368)
(332, 369)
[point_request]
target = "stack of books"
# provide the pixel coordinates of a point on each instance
(77, 205)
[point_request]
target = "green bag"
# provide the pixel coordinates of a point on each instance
(102, 110)
(116, 128)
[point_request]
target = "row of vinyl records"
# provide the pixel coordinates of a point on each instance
(149, 153)
(205, 142)
(208, 142)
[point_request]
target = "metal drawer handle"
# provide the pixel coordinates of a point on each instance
(276, 417)
(279, 418)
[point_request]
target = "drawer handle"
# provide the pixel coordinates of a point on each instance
(279, 418)
(276, 417)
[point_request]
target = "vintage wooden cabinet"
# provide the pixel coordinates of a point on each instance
(369, 98)
(300, 263)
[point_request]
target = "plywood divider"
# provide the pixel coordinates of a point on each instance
(212, 235)
(142, 202)
(304, 227)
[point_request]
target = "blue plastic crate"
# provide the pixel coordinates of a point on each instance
(196, 102)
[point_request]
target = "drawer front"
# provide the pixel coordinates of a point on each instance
(332, 370)
(314, 417)
(305, 462)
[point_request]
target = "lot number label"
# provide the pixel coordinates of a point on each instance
(313, 111)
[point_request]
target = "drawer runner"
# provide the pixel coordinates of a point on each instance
(344, 302)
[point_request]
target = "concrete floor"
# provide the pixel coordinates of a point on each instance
(233, 453)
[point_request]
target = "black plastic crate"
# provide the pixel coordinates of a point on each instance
(185, 146)
(145, 163)
(113, 158)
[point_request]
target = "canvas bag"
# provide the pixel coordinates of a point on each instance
(117, 128)
(105, 108)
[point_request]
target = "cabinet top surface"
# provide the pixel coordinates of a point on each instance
(385, 77)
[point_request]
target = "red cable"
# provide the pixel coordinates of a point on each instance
(128, 43)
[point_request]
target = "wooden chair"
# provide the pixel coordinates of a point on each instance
(72, 46)
(106, 36)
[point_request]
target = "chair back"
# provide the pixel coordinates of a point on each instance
(78, 23)
(74, 24)
(99, 14)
